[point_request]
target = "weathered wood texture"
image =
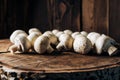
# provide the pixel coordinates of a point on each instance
(95, 15)
(65, 62)
(114, 21)
(106, 74)
(89, 15)
(66, 66)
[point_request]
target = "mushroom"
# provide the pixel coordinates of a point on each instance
(106, 44)
(59, 33)
(13, 48)
(74, 34)
(66, 42)
(84, 33)
(82, 44)
(16, 33)
(93, 36)
(53, 39)
(21, 43)
(33, 36)
(55, 31)
(67, 31)
(31, 30)
(42, 44)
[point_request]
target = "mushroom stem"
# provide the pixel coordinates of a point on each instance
(50, 49)
(60, 46)
(106, 44)
(13, 48)
(111, 50)
(66, 42)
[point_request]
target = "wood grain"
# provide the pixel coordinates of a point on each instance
(66, 62)
(89, 15)
(95, 15)
(114, 19)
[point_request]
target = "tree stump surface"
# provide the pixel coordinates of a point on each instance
(65, 62)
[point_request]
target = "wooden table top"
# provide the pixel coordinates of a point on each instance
(65, 62)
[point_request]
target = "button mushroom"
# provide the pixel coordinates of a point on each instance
(32, 37)
(53, 39)
(82, 44)
(106, 44)
(42, 44)
(93, 36)
(21, 43)
(67, 31)
(74, 34)
(84, 33)
(33, 34)
(16, 33)
(59, 33)
(66, 42)
(31, 30)
(55, 31)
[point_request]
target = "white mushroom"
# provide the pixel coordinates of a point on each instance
(13, 48)
(66, 42)
(74, 34)
(53, 39)
(67, 31)
(16, 33)
(33, 36)
(106, 44)
(21, 43)
(55, 31)
(59, 33)
(93, 36)
(31, 30)
(82, 44)
(34, 33)
(84, 33)
(42, 44)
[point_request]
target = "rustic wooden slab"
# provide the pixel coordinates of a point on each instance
(65, 62)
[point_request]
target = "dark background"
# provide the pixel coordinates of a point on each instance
(90, 15)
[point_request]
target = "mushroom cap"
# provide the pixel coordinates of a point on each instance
(78, 35)
(74, 34)
(53, 39)
(93, 36)
(84, 33)
(23, 43)
(63, 37)
(41, 44)
(48, 32)
(15, 34)
(55, 31)
(66, 42)
(68, 32)
(99, 43)
(82, 44)
(33, 36)
(31, 30)
(108, 43)
(59, 33)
